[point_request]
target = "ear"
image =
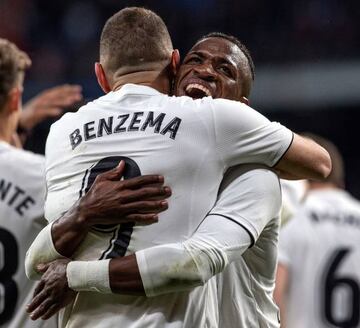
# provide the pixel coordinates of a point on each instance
(101, 78)
(245, 100)
(175, 62)
(14, 100)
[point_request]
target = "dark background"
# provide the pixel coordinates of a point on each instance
(62, 39)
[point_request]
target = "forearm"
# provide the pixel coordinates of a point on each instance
(187, 265)
(59, 239)
(42, 250)
(69, 231)
(305, 159)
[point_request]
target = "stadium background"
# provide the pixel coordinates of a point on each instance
(306, 52)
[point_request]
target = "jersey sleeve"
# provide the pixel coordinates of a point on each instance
(250, 195)
(216, 243)
(243, 135)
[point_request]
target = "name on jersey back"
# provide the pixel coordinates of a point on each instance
(138, 121)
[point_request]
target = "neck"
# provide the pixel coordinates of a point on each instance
(154, 79)
(322, 185)
(5, 130)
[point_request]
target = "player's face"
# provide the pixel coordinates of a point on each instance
(213, 67)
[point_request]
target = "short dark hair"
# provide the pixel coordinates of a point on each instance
(135, 37)
(238, 43)
(337, 174)
(13, 62)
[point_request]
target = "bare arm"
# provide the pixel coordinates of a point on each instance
(282, 277)
(109, 201)
(188, 265)
(304, 159)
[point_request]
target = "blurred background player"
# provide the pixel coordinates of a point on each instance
(318, 278)
(22, 193)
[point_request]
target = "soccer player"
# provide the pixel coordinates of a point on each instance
(318, 274)
(161, 125)
(22, 183)
(22, 193)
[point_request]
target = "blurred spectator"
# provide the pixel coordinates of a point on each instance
(318, 277)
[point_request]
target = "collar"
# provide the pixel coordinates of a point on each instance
(4, 146)
(135, 89)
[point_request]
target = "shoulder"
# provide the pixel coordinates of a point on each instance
(24, 157)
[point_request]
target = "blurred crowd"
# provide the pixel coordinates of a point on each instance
(61, 36)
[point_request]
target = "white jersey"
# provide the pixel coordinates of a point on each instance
(22, 196)
(321, 249)
(250, 196)
(293, 194)
(191, 143)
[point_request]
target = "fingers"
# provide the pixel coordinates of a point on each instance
(113, 175)
(51, 311)
(42, 267)
(36, 301)
(63, 95)
(39, 288)
(141, 181)
(146, 193)
(143, 219)
(144, 207)
(42, 308)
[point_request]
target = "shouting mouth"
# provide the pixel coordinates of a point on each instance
(195, 90)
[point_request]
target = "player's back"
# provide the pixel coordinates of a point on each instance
(324, 245)
(154, 134)
(22, 195)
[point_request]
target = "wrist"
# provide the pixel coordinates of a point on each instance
(80, 216)
(92, 276)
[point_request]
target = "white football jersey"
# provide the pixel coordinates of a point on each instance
(22, 196)
(321, 249)
(191, 143)
(250, 196)
(293, 194)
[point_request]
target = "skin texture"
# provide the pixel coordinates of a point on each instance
(49, 103)
(220, 67)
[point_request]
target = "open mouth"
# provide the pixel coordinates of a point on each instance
(195, 90)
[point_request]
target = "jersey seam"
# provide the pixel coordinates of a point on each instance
(283, 154)
(252, 237)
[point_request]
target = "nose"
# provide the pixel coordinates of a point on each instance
(205, 71)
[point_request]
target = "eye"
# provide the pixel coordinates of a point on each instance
(193, 60)
(226, 70)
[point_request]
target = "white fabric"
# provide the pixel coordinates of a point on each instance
(328, 226)
(192, 263)
(22, 195)
(192, 146)
(293, 194)
(250, 196)
(42, 250)
(89, 276)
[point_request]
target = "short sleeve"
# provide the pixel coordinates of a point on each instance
(243, 135)
(250, 195)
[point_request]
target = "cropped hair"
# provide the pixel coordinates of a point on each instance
(134, 37)
(13, 62)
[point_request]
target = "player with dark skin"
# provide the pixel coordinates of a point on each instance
(214, 67)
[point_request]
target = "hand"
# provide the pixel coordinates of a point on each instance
(53, 292)
(113, 201)
(49, 103)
